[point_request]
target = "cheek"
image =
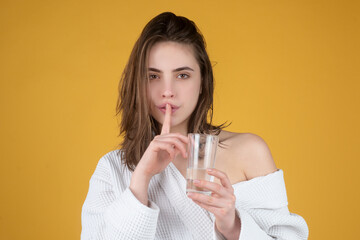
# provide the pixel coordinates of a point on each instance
(150, 100)
(192, 95)
(153, 91)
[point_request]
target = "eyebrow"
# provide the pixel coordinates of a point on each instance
(175, 70)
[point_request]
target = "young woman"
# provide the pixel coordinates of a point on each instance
(138, 192)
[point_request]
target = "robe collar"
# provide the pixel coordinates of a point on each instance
(196, 219)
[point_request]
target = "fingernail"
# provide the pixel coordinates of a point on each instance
(209, 170)
(196, 181)
(190, 194)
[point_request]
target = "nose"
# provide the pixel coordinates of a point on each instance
(168, 86)
(168, 93)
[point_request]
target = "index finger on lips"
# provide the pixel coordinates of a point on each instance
(166, 124)
(225, 181)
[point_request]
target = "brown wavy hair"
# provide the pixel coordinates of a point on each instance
(137, 126)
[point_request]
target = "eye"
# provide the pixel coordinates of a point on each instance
(183, 75)
(152, 76)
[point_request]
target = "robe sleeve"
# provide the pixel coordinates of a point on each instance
(107, 216)
(261, 204)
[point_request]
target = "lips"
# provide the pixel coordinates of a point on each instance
(162, 107)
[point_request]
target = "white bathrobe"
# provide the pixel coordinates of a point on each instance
(111, 211)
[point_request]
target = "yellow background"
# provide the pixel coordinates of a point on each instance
(285, 70)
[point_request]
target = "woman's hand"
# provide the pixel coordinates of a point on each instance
(221, 203)
(163, 149)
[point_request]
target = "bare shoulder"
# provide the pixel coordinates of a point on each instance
(245, 156)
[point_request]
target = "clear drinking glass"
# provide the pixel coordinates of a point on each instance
(201, 155)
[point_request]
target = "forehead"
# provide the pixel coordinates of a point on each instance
(170, 55)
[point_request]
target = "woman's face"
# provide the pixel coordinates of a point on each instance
(175, 78)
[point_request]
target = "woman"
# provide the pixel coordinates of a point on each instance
(138, 192)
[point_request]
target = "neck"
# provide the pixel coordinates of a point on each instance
(181, 128)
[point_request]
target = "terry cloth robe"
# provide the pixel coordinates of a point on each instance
(111, 211)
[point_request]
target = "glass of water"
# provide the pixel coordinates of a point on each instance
(201, 155)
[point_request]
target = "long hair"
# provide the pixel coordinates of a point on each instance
(137, 126)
